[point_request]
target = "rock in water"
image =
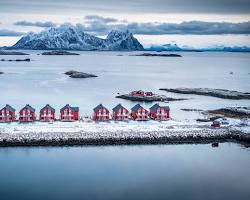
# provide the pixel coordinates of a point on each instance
(76, 74)
(12, 53)
(59, 52)
(1, 72)
(68, 37)
(220, 93)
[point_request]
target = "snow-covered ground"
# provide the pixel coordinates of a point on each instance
(83, 130)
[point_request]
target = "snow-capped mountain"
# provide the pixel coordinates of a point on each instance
(74, 38)
(217, 48)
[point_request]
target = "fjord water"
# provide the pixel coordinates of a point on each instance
(43, 81)
(126, 172)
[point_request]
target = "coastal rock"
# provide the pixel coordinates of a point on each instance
(233, 112)
(134, 97)
(12, 53)
(76, 74)
(158, 55)
(220, 93)
(17, 60)
(59, 53)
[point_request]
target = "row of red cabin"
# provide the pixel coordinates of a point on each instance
(101, 113)
(142, 93)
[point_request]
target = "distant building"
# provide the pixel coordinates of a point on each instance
(69, 113)
(101, 113)
(47, 114)
(120, 113)
(27, 114)
(215, 124)
(7, 114)
(160, 113)
(139, 113)
(139, 92)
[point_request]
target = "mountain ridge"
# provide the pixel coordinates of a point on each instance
(74, 38)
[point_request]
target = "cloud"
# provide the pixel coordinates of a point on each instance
(128, 6)
(37, 24)
(101, 25)
(97, 18)
(10, 33)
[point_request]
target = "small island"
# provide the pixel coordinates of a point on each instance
(158, 55)
(233, 112)
(77, 74)
(59, 53)
(146, 97)
(16, 60)
(220, 93)
(1, 72)
(12, 53)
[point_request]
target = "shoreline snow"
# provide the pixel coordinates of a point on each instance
(117, 133)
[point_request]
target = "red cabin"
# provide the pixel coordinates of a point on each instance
(7, 114)
(215, 124)
(148, 94)
(47, 114)
(139, 92)
(120, 113)
(27, 114)
(69, 114)
(139, 113)
(160, 113)
(101, 113)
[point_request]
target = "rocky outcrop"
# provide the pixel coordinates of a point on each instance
(158, 55)
(59, 52)
(12, 53)
(220, 93)
(17, 60)
(76, 74)
(134, 97)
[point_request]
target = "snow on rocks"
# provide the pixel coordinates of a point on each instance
(105, 133)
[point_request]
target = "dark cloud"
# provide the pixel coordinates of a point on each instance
(37, 24)
(127, 6)
(6, 32)
(97, 18)
(103, 26)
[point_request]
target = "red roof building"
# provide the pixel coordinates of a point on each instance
(7, 114)
(160, 113)
(101, 113)
(47, 114)
(27, 114)
(69, 113)
(139, 113)
(120, 113)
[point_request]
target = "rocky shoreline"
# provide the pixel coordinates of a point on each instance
(133, 97)
(158, 55)
(12, 53)
(220, 93)
(118, 135)
(59, 53)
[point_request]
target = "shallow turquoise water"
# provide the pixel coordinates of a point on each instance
(126, 172)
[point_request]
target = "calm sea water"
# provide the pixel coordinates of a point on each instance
(42, 81)
(126, 172)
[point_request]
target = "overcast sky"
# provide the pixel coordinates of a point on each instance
(157, 18)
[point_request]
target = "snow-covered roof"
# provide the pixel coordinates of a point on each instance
(74, 109)
(9, 108)
(48, 107)
(136, 107)
(29, 108)
(119, 106)
(156, 106)
(100, 106)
